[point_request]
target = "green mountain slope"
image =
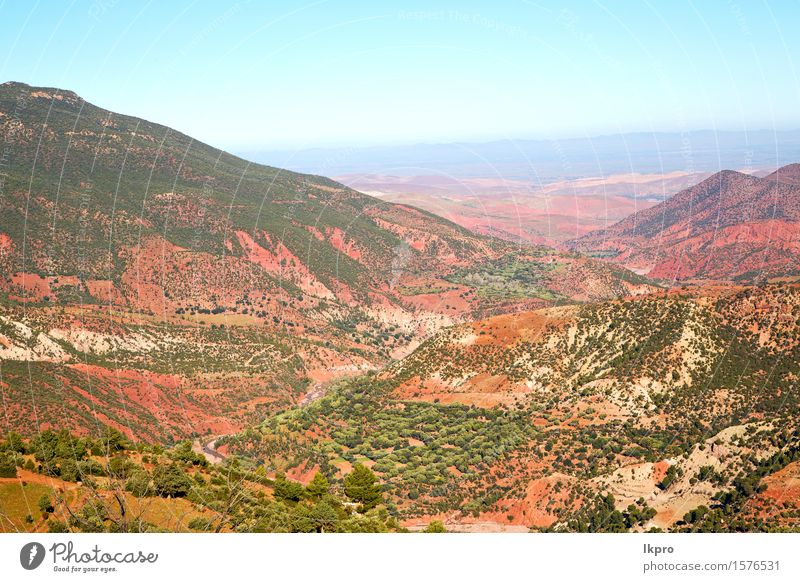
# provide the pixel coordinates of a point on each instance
(158, 285)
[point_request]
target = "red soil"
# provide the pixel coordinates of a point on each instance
(32, 287)
(279, 261)
(105, 292)
(6, 244)
(338, 239)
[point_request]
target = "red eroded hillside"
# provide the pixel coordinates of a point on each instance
(729, 226)
(137, 250)
(651, 406)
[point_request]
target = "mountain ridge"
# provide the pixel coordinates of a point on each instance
(729, 226)
(147, 262)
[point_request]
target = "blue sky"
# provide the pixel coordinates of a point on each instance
(261, 75)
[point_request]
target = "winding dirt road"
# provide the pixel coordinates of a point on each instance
(209, 448)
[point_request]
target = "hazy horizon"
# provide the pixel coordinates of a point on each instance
(543, 160)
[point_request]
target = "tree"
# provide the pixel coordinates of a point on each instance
(120, 467)
(69, 447)
(231, 505)
(69, 470)
(44, 446)
(113, 441)
(361, 485)
(324, 517)
(139, 483)
(170, 480)
(183, 452)
(435, 526)
(319, 487)
(13, 443)
(91, 518)
(599, 516)
(301, 520)
(286, 490)
(45, 504)
(669, 478)
(8, 466)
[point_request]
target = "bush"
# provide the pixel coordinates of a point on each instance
(91, 467)
(69, 470)
(8, 466)
(57, 526)
(199, 524)
(13, 443)
(113, 441)
(171, 481)
(91, 518)
(286, 490)
(139, 483)
(45, 504)
(183, 453)
(120, 468)
(435, 526)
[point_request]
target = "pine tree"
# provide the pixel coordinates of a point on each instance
(319, 487)
(324, 517)
(361, 485)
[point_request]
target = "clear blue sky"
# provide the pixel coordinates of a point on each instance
(303, 74)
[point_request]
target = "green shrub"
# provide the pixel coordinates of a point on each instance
(139, 483)
(171, 481)
(286, 490)
(45, 504)
(435, 526)
(199, 524)
(57, 526)
(120, 467)
(8, 465)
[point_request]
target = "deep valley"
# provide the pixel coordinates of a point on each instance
(364, 365)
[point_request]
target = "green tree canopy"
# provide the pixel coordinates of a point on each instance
(318, 487)
(170, 480)
(286, 490)
(8, 466)
(361, 485)
(435, 526)
(324, 517)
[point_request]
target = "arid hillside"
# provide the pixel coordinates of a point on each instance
(669, 402)
(58, 482)
(157, 285)
(548, 212)
(731, 226)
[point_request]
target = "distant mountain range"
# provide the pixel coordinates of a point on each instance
(548, 160)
